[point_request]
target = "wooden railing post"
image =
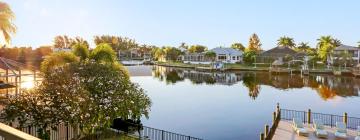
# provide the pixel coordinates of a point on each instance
(278, 111)
(262, 137)
(309, 116)
(274, 117)
(266, 131)
(67, 132)
(345, 118)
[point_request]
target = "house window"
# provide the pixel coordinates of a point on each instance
(222, 57)
(238, 57)
(355, 54)
(234, 58)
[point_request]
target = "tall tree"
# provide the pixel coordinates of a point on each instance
(7, 27)
(63, 42)
(286, 42)
(211, 55)
(117, 43)
(238, 46)
(303, 46)
(81, 41)
(183, 46)
(336, 42)
(172, 53)
(325, 46)
(197, 49)
(254, 43)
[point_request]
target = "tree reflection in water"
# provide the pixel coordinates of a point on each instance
(327, 86)
(250, 81)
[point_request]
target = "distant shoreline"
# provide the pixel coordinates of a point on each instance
(239, 68)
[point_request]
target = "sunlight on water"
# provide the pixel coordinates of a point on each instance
(27, 85)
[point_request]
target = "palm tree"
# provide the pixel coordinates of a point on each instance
(303, 46)
(325, 46)
(238, 46)
(336, 42)
(286, 42)
(7, 26)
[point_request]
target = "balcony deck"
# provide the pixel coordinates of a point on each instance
(285, 132)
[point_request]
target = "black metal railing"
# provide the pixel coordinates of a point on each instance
(157, 134)
(328, 119)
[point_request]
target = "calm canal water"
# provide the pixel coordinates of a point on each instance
(237, 105)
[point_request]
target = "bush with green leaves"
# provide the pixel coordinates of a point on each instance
(86, 93)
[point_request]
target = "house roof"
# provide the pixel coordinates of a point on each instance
(229, 51)
(279, 52)
(346, 47)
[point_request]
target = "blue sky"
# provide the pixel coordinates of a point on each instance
(207, 22)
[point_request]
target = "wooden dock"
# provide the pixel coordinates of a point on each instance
(284, 131)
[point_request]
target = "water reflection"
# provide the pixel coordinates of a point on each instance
(25, 81)
(327, 86)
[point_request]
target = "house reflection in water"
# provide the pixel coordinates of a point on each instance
(173, 75)
(327, 86)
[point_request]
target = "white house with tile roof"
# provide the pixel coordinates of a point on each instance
(353, 52)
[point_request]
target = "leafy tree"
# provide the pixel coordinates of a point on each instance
(325, 46)
(172, 53)
(81, 41)
(286, 42)
(103, 53)
(7, 27)
(249, 56)
(254, 43)
(238, 46)
(22, 56)
(358, 44)
(88, 94)
(144, 49)
(81, 50)
(197, 49)
(63, 42)
(211, 55)
(344, 58)
(117, 43)
(56, 60)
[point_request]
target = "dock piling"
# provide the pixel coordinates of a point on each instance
(309, 116)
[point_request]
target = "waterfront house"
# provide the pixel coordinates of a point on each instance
(195, 58)
(352, 51)
(224, 55)
(227, 55)
(281, 53)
